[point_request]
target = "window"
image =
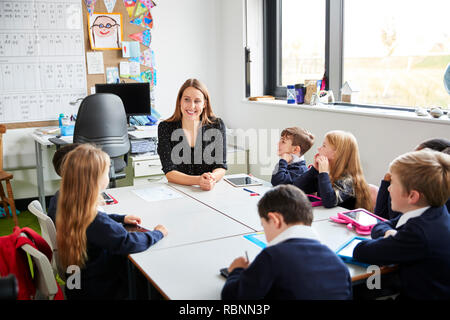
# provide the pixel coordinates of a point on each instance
(303, 41)
(397, 54)
(394, 53)
(295, 42)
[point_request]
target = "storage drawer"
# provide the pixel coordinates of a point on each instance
(147, 168)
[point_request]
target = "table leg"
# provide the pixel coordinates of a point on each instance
(131, 280)
(40, 175)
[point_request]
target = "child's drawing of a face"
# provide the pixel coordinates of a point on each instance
(106, 32)
(104, 27)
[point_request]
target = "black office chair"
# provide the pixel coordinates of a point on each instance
(101, 120)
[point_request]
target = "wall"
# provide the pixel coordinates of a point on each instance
(205, 39)
(186, 44)
(380, 139)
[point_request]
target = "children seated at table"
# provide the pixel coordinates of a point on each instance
(417, 240)
(383, 200)
(294, 143)
(294, 265)
(95, 242)
(336, 174)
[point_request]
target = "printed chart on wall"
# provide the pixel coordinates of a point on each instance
(42, 59)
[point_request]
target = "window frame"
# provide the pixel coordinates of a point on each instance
(334, 53)
(272, 34)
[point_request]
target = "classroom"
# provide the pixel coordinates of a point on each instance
(331, 67)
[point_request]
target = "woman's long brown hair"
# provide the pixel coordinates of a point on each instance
(207, 114)
(347, 162)
(78, 198)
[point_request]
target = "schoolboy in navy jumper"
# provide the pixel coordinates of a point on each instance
(294, 265)
(294, 143)
(418, 240)
(91, 239)
(383, 202)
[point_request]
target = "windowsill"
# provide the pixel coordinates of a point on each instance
(356, 110)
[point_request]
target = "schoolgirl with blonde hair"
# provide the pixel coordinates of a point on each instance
(337, 174)
(88, 239)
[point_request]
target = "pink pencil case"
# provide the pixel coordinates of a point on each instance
(315, 200)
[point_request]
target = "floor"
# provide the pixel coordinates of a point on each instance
(26, 219)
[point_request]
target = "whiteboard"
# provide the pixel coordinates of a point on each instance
(42, 59)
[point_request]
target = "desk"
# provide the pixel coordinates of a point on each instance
(41, 141)
(192, 271)
(243, 207)
(149, 165)
(187, 266)
(187, 220)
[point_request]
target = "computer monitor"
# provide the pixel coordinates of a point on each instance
(135, 96)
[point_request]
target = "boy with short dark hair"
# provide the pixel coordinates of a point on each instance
(294, 265)
(417, 240)
(294, 143)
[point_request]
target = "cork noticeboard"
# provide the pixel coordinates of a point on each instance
(111, 58)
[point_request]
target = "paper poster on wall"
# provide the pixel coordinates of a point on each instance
(112, 75)
(124, 69)
(130, 5)
(140, 9)
(148, 3)
(90, 4)
(147, 58)
(130, 49)
(94, 61)
(105, 31)
(143, 37)
(109, 4)
(145, 21)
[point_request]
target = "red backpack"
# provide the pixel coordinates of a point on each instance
(13, 260)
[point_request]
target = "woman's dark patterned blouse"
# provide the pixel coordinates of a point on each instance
(208, 153)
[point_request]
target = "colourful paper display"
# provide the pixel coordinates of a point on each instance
(145, 21)
(147, 3)
(129, 5)
(140, 10)
(90, 4)
(147, 58)
(143, 37)
(109, 4)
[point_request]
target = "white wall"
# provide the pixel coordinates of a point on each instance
(205, 39)
(186, 44)
(380, 139)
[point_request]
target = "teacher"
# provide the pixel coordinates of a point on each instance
(192, 142)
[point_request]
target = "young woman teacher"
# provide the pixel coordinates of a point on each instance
(192, 142)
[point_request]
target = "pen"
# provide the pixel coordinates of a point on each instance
(246, 255)
(248, 190)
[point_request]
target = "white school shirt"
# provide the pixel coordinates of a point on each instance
(294, 232)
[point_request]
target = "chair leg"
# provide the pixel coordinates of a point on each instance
(8, 200)
(11, 202)
(4, 200)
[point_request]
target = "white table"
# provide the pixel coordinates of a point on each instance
(237, 203)
(206, 232)
(41, 141)
(186, 219)
(192, 271)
